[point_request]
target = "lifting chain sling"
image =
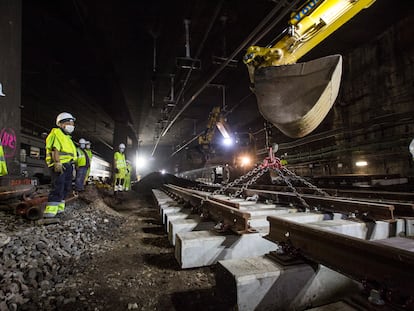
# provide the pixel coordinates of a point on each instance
(291, 187)
(238, 180)
(304, 181)
(270, 162)
(250, 182)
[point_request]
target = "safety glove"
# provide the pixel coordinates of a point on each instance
(58, 167)
(116, 171)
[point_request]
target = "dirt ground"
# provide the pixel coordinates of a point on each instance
(140, 272)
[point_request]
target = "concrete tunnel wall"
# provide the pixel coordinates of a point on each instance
(10, 79)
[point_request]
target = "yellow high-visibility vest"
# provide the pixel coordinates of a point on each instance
(120, 164)
(81, 157)
(63, 143)
(3, 164)
(119, 159)
(89, 153)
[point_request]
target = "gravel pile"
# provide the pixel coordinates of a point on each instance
(35, 265)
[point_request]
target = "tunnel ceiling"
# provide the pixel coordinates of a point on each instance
(96, 59)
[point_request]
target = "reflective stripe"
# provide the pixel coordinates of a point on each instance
(61, 207)
(65, 153)
(119, 160)
(51, 209)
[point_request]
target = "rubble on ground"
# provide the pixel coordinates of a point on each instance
(36, 259)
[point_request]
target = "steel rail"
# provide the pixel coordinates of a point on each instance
(370, 262)
(402, 201)
(186, 195)
(230, 217)
(223, 201)
(374, 210)
(401, 209)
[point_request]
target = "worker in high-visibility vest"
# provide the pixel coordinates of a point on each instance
(119, 169)
(60, 156)
(90, 155)
(82, 165)
(283, 161)
(3, 164)
(127, 181)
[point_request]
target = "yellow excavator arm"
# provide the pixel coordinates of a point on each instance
(216, 119)
(206, 138)
(276, 84)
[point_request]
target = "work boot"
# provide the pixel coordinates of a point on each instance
(51, 209)
(61, 207)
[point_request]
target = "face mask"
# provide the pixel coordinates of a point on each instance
(88, 147)
(82, 146)
(121, 150)
(69, 129)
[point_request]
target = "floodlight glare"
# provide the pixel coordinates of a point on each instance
(140, 162)
(361, 163)
(228, 141)
(245, 161)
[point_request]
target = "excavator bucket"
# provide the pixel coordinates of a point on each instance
(296, 98)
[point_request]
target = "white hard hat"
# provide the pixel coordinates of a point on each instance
(88, 142)
(121, 146)
(411, 148)
(82, 141)
(64, 116)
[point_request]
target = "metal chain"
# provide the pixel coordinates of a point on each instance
(237, 181)
(290, 186)
(307, 183)
(251, 181)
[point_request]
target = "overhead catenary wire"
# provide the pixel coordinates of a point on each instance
(187, 78)
(254, 37)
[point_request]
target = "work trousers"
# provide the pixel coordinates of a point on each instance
(61, 183)
(80, 178)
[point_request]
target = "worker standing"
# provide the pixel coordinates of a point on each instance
(82, 165)
(119, 169)
(283, 161)
(60, 156)
(3, 164)
(127, 181)
(90, 155)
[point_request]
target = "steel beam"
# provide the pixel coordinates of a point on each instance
(189, 197)
(232, 218)
(392, 198)
(374, 210)
(380, 262)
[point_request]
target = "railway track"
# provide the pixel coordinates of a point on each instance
(366, 239)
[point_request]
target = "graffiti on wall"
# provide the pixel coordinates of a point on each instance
(8, 141)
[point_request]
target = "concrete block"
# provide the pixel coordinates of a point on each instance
(302, 217)
(182, 214)
(168, 209)
(187, 225)
(258, 211)
(161, 197)
(258, 221)
(261, 283)
(204, 248)
(384, 230)
(351, 228)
